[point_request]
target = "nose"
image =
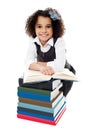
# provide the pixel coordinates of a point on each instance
(43, 29)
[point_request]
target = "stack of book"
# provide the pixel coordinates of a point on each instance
(41, 105)
(39, 98)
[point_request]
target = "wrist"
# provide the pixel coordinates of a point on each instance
(42, 63)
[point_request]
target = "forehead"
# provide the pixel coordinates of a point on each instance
(43, 20)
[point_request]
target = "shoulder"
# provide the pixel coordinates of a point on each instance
(31, 45)
(59, 40)
(31, 42)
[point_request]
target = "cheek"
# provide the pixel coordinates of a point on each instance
(51, 31)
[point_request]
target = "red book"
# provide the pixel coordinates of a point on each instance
(31, 118)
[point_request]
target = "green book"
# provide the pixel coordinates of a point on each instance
(52, 94)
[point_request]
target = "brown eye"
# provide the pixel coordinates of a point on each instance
(49, 26)
(39, 26)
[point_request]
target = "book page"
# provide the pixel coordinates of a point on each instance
(66, 74)
(35, 76)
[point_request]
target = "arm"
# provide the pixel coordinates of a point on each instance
(59, 63)
(42, 66)
(31, 61)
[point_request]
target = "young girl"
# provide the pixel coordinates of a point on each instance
(47, 50)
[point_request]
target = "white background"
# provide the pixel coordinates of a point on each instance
(13, 47)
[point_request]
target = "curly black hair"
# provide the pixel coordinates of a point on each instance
(58, 25)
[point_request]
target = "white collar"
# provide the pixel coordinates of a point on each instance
(50, 41)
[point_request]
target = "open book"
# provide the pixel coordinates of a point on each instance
(37, 76)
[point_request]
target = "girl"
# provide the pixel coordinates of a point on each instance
(47, 50)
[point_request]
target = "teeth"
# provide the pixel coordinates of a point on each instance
(43, 35)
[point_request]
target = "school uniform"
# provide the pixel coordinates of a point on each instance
(54, 54)
(58, 61)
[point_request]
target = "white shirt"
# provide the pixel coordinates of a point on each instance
(58, 63)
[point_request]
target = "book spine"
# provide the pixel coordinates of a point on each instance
(35, 102)
(34, 96)
(41, 108)
(35, 111)
(42, 103)
(33, 90)
(35, 115)
(40, 114)
(21, 116)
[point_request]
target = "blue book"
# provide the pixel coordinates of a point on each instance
(44, 109)
(34, 96)
(37, 111)
(40, 115)
(38, 96)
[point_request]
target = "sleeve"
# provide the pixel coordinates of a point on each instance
(59, 63)
(30, 56)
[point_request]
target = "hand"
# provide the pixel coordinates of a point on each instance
(47, 70)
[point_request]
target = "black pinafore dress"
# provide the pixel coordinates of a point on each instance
(50, 55)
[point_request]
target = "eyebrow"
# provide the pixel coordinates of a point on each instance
(41, 24)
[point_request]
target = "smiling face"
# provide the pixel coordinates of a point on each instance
(43, 29)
